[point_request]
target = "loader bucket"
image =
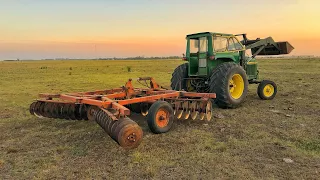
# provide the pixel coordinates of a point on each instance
(284, 48)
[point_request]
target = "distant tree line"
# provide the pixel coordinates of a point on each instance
(121, 58)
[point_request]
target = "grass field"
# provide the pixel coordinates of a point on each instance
(249, 142)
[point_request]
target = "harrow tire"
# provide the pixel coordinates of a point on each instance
(178, 81)
(220, 80)
(160, 117)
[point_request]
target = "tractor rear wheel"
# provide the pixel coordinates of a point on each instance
(229, 82)
(178, 81)
(160, 117)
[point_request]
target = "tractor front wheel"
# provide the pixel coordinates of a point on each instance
(229, 82)
(267, 90)
(160, 117)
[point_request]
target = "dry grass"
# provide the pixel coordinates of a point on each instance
(250, 142)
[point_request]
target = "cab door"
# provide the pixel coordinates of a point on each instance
(203, 56)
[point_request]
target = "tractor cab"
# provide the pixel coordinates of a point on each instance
(207, 50)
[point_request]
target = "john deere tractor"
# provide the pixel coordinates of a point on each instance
(217, 63)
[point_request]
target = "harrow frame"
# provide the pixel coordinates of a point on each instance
(110, 108)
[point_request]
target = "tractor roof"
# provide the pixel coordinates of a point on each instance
(200, 34)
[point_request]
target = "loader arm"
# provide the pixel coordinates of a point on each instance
(266, 46)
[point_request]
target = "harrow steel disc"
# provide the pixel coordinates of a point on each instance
(37, 109)
(71, 111)
(130, 136)
(144, 109)
(110, 124)
(194, 111)
(59, 111)
(90, 112)
(65, 111)
(31, 108)
(178, 110)
(48, 109)
(113, 128)
(186, 110)
(124, 131)
(209, 111)
(77, 112)
(41, 109)
(55, 110)
(123, 122)
(45, 109)
(201, 107)
(83, 111)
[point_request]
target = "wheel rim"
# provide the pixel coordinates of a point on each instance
(268, 90)
(162, 118)
(236, 86)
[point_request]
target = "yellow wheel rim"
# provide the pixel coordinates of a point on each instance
(236, 86)
(268, 90)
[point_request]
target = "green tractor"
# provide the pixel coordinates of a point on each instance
(217, 63)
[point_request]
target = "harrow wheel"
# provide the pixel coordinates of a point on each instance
(160, 117)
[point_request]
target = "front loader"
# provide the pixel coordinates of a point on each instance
(217, 63)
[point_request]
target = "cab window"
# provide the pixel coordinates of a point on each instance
(231, 45)
(234, 45)
(199, 45)
(220, 44)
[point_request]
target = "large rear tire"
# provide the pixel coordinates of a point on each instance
(178, 81)
(229, 82)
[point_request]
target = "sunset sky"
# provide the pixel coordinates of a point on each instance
(36, 29)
